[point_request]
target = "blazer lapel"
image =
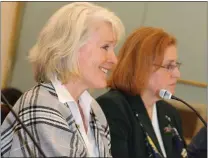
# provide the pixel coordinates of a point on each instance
(166, 134)
(140, 110)
(67, 114)
(74, 127)
(101, 129)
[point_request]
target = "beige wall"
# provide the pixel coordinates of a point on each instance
(186, 20)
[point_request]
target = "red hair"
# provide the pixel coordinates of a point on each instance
(143, 48)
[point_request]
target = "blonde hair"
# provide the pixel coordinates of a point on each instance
(55, 52)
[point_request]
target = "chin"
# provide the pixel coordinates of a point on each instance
(172, 91)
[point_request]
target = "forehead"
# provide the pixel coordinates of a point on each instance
(103, 31)
(170, 54)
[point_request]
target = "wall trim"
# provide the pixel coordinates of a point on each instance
(193, 83)
(13, 40)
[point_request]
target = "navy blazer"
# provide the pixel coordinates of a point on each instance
(198, 146)
(127, 138)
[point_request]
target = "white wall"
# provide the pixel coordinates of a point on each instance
(186, 20)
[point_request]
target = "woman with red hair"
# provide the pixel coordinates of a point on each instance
(141, 124)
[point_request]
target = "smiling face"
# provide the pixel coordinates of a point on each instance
(167, 75)
(97, 56)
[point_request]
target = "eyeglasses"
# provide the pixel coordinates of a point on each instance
(170, 67)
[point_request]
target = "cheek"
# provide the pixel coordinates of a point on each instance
(91, 60)
(89, 67)
(158, 81)
(86, 60)
(85, 66)
(97, 59)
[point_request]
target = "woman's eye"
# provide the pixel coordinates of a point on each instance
(106, 47)
(170, 67)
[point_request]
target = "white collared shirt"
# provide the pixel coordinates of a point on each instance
(155, 125)
(85, 100)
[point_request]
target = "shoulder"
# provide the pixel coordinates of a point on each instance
(39, 106)
(111, 97)
(40, 102)
(116, 109)
(114, 102)
(199, 141)
(39, 95)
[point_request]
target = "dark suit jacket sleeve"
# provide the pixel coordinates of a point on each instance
(118, 123)
(198, 146)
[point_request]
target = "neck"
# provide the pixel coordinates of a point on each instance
(149, 100)
(75, 88)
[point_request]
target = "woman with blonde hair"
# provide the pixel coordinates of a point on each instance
(141, 124)
(73, 53)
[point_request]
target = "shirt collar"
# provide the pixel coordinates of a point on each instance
(64, 95)
(154, 114)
